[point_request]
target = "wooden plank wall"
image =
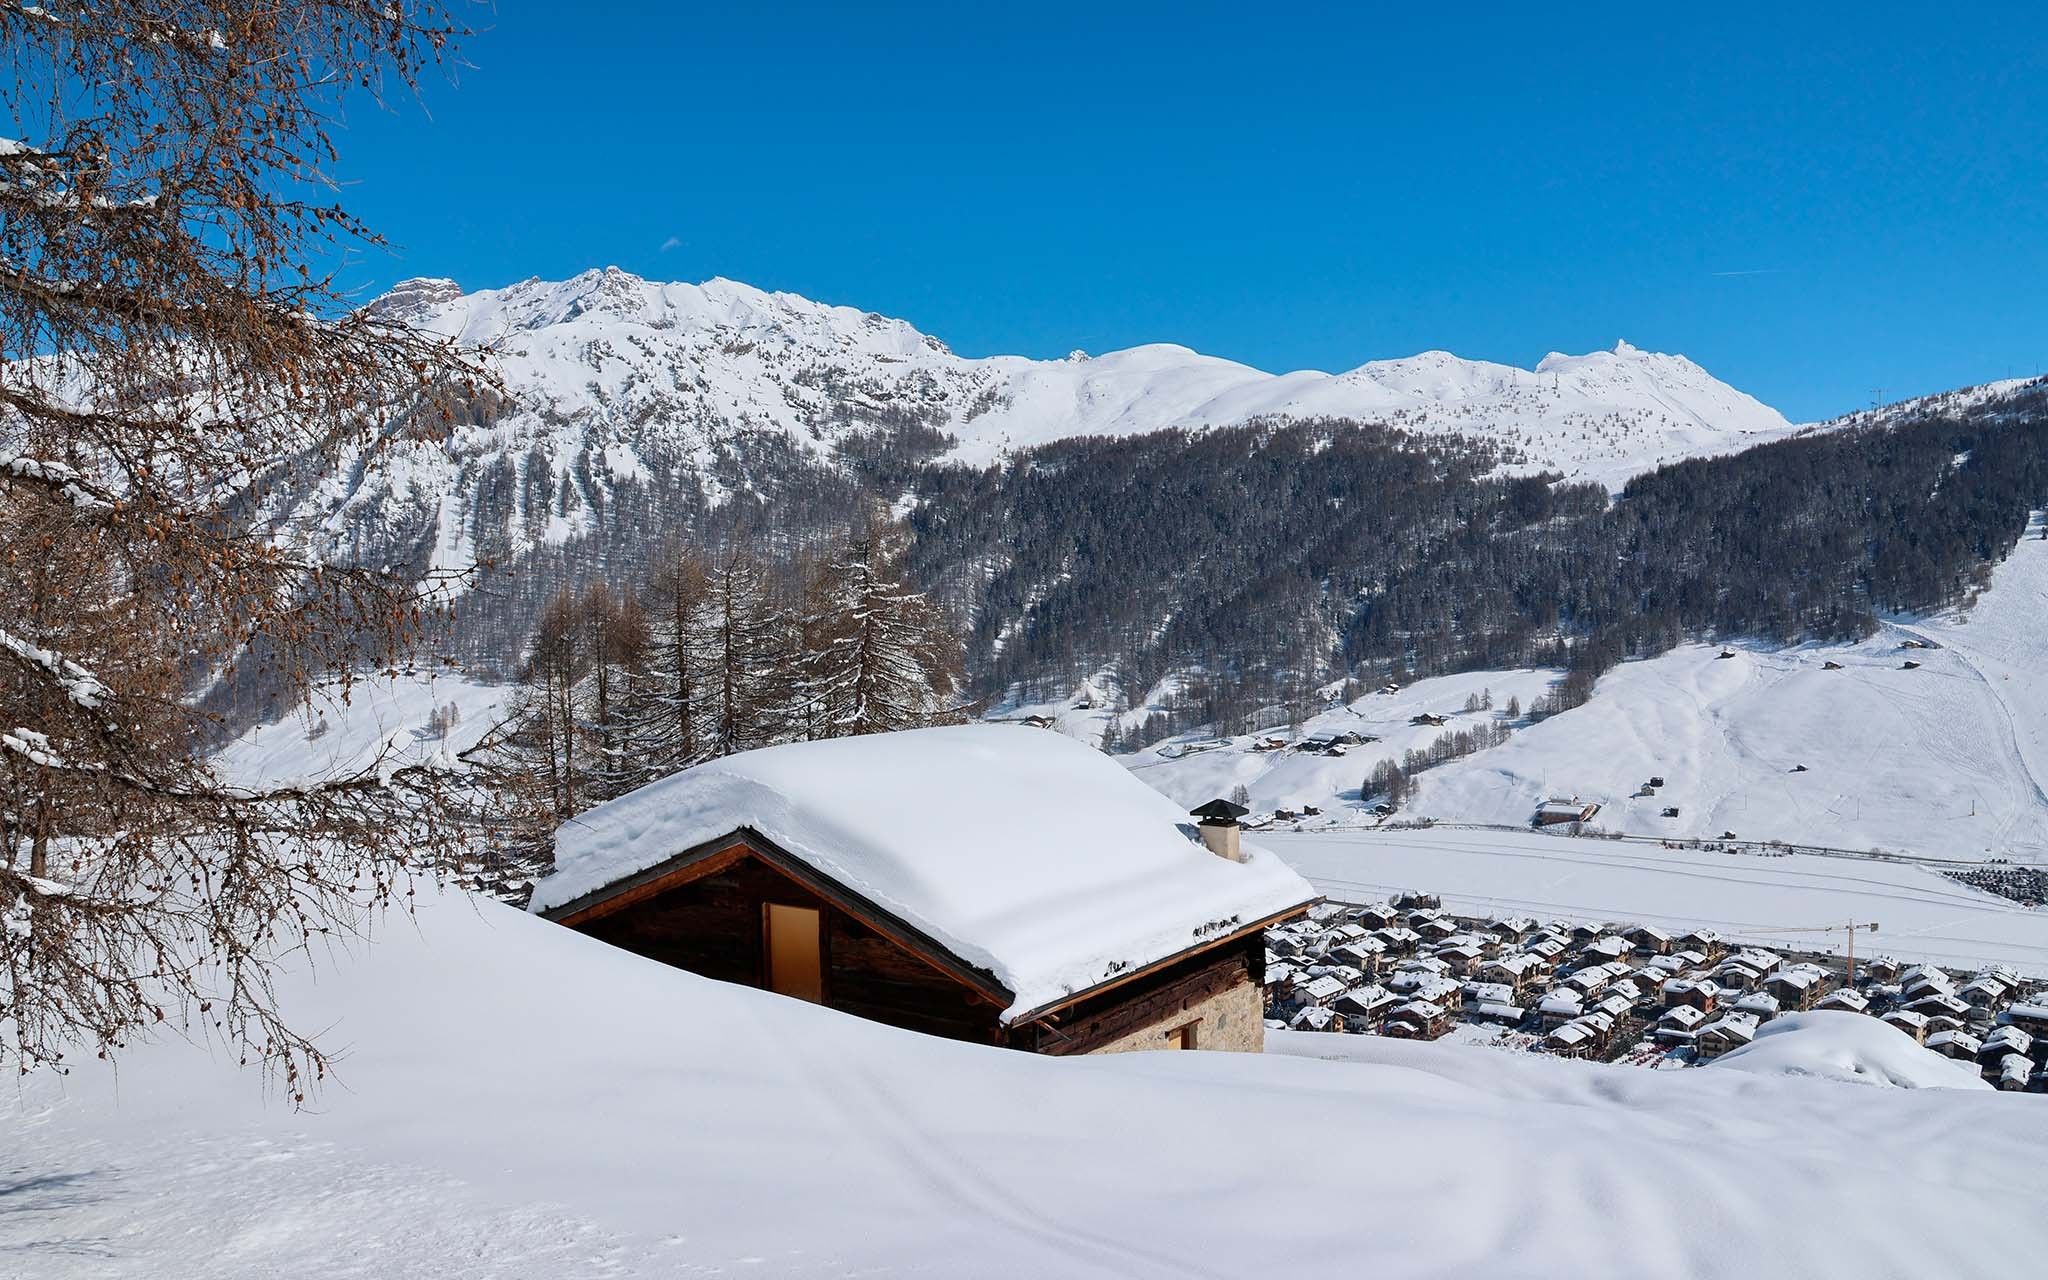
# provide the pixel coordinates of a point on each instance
(712, 926)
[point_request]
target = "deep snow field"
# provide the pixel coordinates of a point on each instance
(1947, 761)
(519, 1101)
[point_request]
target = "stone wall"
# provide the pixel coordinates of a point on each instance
(1233, 1020)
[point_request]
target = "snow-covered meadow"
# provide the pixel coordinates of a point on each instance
(518, 1100)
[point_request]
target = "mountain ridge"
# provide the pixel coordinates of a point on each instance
(1605, 414)
(609, 377)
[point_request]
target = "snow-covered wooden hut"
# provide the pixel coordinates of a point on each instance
(976, 882)
(1552, 813)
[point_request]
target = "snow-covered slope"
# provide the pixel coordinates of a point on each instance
(520, 1101)
(1192, 770)
(1849, 1047)
(611, 377)
(1946, 760)
(398, 716)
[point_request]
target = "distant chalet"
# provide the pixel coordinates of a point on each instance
(983, 883)
(1553, 813)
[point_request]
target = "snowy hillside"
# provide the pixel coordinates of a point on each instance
(613, 378)
(1946, 760)
(401, 717)
(520, 1101)
(1949, 760)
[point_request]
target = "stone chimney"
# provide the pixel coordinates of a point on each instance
(1220, 830)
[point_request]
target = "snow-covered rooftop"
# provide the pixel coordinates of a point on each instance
(1019, 851)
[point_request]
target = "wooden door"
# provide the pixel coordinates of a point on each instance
(796, 951)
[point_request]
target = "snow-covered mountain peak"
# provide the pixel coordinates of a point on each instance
(415, 300)
(611, 376)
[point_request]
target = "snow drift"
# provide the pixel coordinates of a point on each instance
(1847, 1046)
(521, 1101)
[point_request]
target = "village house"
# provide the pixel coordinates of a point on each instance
(1913, 1024)
(975, 882)
(1511, 1015)
(1371, 918)
(1519, 971)
(1417, 1020)
(1478, 993)
(2030, 1018)
(1364, 956)
(1553, 813)
(1729, 1031)
(1464, 958)
(1559, 1006)
(1939, 1005)
(1677, 1024)
(1957, 1044)
(1985, 991)
(1316, 1017)
(1613, 1003)
(1737, 974)
(1512, 930)
(1650, 940)
(1760, 1005)
(2014, 1070)
(1845, 1000)
(1923, 979)
(1611, 947)
(1364, 1006)
(1575, 1039)
(1591, 978)
(1701, 993)
(1320, 990)
(1280, 977)
(1705, 942)
(1400, 939)
(1796, 987)
(1437, 929)
(2008, 1039)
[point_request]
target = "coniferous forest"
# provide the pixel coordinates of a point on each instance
(1276, 558)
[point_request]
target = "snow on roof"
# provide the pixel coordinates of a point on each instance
(1023, 853)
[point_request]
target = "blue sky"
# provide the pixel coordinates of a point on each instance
(1818, 203)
